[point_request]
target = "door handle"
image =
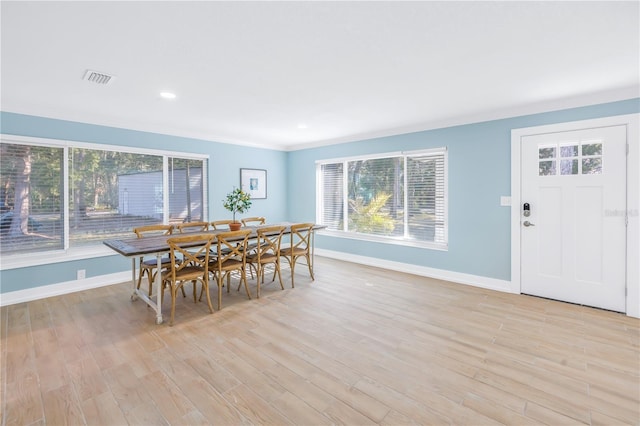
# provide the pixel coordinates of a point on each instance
(527, 223)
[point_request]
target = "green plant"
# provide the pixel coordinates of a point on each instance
(237, 201)
(371, 218)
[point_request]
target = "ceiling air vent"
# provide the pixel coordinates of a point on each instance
(97, 77)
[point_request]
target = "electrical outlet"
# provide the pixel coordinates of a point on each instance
(81, 274)
(505, 200)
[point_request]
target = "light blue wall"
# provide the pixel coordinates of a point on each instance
(479, 173)
(225, 161)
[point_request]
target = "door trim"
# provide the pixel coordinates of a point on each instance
(632, 122)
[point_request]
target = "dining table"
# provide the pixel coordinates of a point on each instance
(158, 246)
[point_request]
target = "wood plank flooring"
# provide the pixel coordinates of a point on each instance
(357, 346)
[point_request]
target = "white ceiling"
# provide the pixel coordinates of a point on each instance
(252, 72)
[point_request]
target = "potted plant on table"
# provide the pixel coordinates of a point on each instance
(237, 201)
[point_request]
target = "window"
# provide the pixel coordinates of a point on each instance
(398, 197)
(576, 158)
(186, 201)
(31, 198)
(59, 195)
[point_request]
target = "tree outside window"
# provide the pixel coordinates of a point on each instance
(110, 193)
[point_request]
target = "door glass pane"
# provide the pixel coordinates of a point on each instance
(592, 149)
(569, 167)
(549, 152)
(547, 168)
(569, 151)
(591, 166)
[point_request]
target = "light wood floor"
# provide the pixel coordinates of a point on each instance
(358, 346)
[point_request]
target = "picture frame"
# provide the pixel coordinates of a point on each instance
(254, 182)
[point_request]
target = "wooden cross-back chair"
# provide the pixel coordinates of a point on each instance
(256, 220)
(148, 267)
(186, 227)
(267, 251)
(300, 246)
(229, 256)
(251, 221)
(221, 224)
(189, 263)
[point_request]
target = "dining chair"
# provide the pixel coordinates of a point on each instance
(256, 220)
(189, 263)
(193, 227)
(267, 252)
(148, 267)
(221, 224)
(300, 246)
(230, 256)
(252, 245)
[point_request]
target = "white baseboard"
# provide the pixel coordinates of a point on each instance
(58, 289)
(440, 274)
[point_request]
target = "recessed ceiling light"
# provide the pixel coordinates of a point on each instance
(168, 95)
(302, 126)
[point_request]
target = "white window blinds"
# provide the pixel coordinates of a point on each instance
(186, 190)
(31, 198)
(399, 197)
(72, 195)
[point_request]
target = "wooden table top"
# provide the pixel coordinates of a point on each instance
(158, 243)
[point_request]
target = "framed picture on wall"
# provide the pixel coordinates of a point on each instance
(254, 181)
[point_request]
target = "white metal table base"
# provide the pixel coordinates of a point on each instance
(139, 294)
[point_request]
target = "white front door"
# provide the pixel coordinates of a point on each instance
(572, 216)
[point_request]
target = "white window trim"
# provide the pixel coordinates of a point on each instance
(14, 261)
(375, 238)
(365, 157)
(398, 241)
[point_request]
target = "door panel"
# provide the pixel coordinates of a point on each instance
(574, 246)
(550, 232)
(589, 248)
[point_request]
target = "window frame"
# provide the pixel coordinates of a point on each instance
(440, 246)
(67, 253)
